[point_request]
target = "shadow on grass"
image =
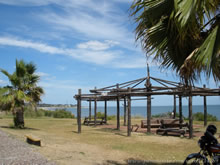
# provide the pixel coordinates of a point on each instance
(140, 162)
(25, 128)
(112, 130)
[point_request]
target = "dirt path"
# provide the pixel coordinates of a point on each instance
(13, 151)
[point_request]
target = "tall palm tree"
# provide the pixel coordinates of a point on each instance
(181, 34)
(23, 90)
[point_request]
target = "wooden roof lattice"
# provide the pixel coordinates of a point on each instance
(143, 87)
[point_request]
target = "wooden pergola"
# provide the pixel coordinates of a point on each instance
(130, 90)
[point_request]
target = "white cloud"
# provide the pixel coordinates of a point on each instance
(2, 82)
(110, 58)
(133, 62)
(61, 68)
(96, 45)
(28, 2)
(42, 74)
(29, 44)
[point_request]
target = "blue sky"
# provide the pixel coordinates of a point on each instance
(76, 44)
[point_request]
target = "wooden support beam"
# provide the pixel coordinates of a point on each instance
(148, 86)
(205, 109)
(79, 111)
(129, 114)
(118, 111)
(106, 111)
(174, 106)
(125, 111)
(180, 111)
(95, 110)
(90, 110)
(190, 118)
(149, 114)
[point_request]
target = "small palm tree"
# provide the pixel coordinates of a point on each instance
(23, 90)
(181, 34)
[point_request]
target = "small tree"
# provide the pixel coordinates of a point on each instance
(23, 90)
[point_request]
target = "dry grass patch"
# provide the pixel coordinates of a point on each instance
(98, 145)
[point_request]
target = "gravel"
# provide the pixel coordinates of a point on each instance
(15, 152)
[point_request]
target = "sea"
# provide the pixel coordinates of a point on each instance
(141, 111)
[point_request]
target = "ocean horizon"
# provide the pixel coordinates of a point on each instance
(142, 110)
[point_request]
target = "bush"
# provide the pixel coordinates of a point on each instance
(29, 112)
(102, 115)
(58, 113)
(62, 113)
(199, 116)
(48, 113)
(166, 115)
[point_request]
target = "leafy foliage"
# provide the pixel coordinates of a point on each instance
(199, 116)
(62, 113)
(23, 89)
(182, 35)
(102, 115)
(58, 113)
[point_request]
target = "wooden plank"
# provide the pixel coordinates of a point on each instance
(34, 141)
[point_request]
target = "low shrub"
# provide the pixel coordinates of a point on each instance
(199, 116)
(62, 113)
(102, 115)
(58, 113)
(29, 112)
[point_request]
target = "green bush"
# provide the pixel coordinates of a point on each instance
(48, 113)
(29, 112)
(165, 115)
(199, 116)
(102, 115)
(58, 113)
(62, 113)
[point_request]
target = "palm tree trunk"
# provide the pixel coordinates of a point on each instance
(19, 118)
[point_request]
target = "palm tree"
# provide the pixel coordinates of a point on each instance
(23, 90)
(181, 34)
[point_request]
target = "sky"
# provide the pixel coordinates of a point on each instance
(77, 44)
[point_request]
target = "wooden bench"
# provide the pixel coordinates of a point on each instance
(33, 141)
(155, 123)
(172, 131)
(172, 123)
(92, 122)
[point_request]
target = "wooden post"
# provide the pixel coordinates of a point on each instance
(118, 111)
(190, 118)
(125, 111)
(180, 111)
(79, 110)
(95, 110)
(174, 107)
(205, 109)
(106, 111)
(148, 86)
(149, 114)
(129, 113)
(90, 110)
